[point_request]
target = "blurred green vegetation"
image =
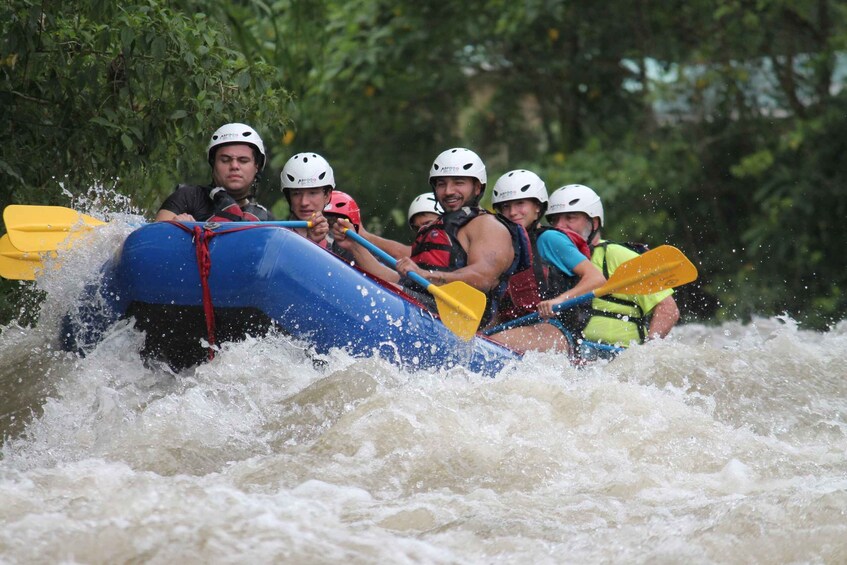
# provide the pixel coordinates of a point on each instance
(718, 126)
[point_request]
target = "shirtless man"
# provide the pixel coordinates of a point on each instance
(465, 244)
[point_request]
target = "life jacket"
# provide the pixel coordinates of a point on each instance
(228, 210)
(437, 248)
(530, 286)
(600, 305)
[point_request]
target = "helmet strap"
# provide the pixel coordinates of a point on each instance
(594, 232)
(474, 201)
(252, 190)
(254, 186)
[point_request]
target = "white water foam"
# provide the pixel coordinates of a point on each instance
(719, 445)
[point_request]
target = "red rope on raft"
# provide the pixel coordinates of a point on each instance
(204, 264)
(201, 237)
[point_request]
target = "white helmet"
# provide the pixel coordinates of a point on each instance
(306, 170)
(236, 133)
(458, 162)
(519, 184)
(425, 202)
(576, 198)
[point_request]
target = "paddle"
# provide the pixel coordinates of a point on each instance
(45, 228)
(280, 223)
(37, 229)
(658, 269)
(19, 260)
(460, 305)
(16, 264)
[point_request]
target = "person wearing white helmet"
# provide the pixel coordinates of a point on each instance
(423, 210)
(561, 268)
(616, 319)
(307, 181)
(466, 243)
(237, 156)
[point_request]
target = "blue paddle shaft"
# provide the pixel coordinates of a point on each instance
(391, 261)
(274, 223)
(570, 303)
(285, 223)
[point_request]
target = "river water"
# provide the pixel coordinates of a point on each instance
(718, 445)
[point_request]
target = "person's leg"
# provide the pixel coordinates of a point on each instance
(538, 337)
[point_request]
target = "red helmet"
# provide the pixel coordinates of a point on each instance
(342, 204)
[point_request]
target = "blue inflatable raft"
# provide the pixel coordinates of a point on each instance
(262, 278)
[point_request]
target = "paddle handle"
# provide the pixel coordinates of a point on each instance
(576, 301)
(288, 224)
(570, 303)
(284, 223)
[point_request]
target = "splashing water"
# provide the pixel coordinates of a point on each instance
(720, 444)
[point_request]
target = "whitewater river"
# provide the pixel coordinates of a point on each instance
(719, 445)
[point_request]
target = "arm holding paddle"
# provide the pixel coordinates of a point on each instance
(393, 248)
(659, 269)
(318, 228)
(390, 269)
(490, 253)
(590, 278)
(364, 253)
(459, 305)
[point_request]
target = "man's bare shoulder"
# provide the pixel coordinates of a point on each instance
(487, 225)
(484, 230)
(487, 221)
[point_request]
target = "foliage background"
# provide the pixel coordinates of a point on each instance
(719, 126)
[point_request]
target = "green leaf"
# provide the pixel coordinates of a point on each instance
(753, 165)
(157, 48)
(103, 122)
(127, 37)
(243, 80)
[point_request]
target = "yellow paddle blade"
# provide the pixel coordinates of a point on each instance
(45, 228)
(460, 306)
(658, 269)
(16, 264)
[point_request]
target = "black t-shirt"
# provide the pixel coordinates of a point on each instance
(194, 200)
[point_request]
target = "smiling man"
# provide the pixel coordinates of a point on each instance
(466, 243)
(237, 156)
